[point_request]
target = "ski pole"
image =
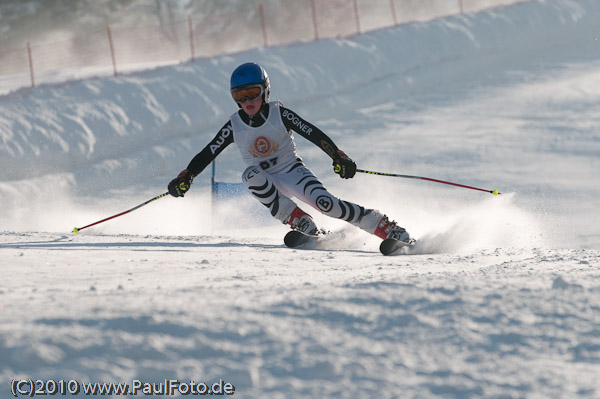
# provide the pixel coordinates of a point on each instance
(495, 192)
(78, 229)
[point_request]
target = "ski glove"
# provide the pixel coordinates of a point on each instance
(344, 166)
(181, 184)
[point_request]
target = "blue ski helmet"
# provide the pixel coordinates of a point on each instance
(250, 74)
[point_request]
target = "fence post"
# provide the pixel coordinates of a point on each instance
(460, 7)
(191, 29)
(263, 23)
(112, 49)
(30, 64)
(314, 18)
(393, 7)
(356, 16)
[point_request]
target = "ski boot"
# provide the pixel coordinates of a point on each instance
(389, 229)
(302, 222)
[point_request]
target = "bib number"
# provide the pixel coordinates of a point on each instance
(268, 163)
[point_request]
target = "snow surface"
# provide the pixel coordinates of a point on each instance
(502, 299)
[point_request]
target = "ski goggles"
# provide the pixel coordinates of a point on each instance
(247, 93)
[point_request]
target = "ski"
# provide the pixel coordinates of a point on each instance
(297, 239)
(391, 246)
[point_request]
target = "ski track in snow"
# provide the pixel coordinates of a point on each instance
(500, 299)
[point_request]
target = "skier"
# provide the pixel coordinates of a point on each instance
(262, 131)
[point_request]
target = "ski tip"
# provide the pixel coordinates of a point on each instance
(75, 230)
(297, 239)
(391, 246)
(288, 239)
(294, 239)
